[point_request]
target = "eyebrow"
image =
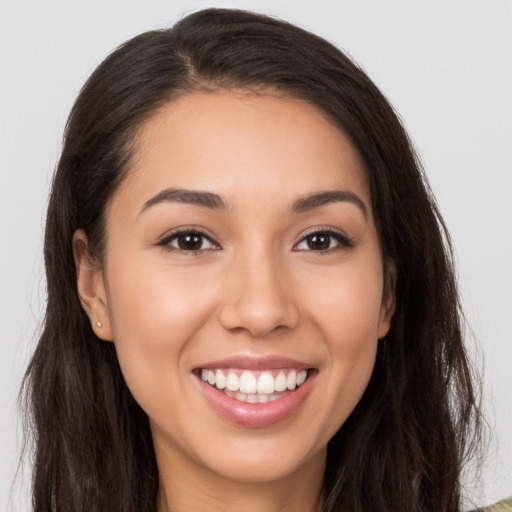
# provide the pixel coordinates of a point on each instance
(216, 202)
(178, 195)
(313, 201)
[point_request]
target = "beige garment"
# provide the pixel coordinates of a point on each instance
(502, 506)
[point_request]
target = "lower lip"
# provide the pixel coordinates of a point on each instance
(256, 415)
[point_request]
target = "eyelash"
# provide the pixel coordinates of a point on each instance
(167, 240)
(341, 238)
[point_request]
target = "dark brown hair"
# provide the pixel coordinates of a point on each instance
(405, 443)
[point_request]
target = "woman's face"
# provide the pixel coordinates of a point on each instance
(241, 249)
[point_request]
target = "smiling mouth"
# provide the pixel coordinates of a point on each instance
(254, 386)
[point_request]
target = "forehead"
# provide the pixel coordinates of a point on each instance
(244, 145)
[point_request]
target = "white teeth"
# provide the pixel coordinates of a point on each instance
(249, 388)
(220, 380)
(232, 382)
(252, 398)
(280, 382)
(301, 377)
(248, 383)
(266, 383)
(291, 380)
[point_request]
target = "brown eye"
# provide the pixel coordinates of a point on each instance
(323, 241)
(189, 241)
(319, 241)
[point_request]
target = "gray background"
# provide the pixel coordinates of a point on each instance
(446, 65)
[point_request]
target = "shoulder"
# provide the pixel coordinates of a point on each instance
(502, 506)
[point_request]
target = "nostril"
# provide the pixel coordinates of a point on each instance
(258, 321)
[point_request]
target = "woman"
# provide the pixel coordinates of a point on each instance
(251, 299)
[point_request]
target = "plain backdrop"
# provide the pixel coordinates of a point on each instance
(446, 65)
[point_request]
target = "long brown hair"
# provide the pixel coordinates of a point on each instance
(405, 443)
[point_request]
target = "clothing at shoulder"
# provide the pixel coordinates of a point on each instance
(502, 506)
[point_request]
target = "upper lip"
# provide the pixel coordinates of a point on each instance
(256, 363)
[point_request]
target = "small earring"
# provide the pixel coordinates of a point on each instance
(99, 324)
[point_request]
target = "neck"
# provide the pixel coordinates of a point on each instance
(185, 486)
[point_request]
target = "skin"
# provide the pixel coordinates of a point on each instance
(259, 289)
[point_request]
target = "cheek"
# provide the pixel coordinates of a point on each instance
(347, 312)
(346, 304)
(153, 318)
(148, 296)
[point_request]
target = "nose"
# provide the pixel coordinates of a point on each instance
(258, 297)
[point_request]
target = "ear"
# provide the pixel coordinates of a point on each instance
(91, 287)
(388, 306)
